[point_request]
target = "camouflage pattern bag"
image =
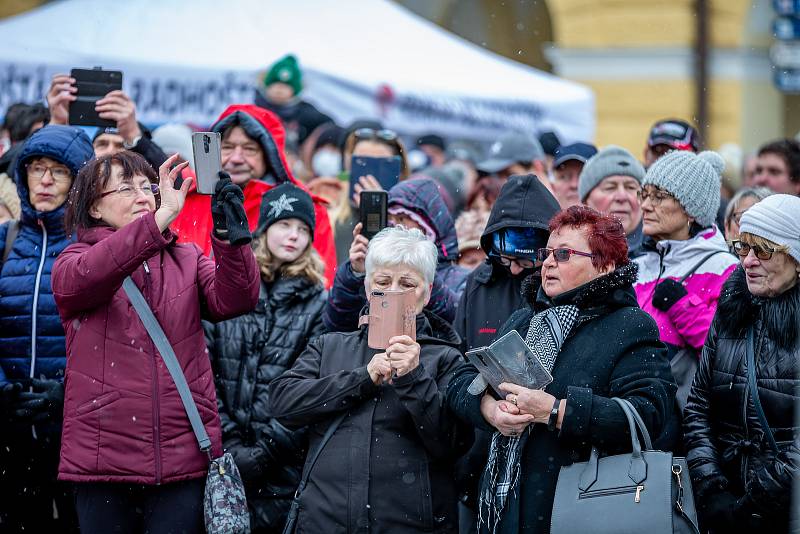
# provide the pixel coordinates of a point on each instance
(224, 502)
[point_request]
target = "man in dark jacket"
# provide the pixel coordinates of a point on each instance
(32, 347)
(414, 203)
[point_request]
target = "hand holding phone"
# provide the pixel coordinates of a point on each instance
(373, 212)
(91, 86)
(391, 314)
(385, 170)
(358, 250)
(403, 354)
(206, 148)
(59, 96)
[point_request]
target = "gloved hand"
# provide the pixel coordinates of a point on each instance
(227, 212)
(8, 397)
(46, 401)
(667, 293)
(251, 462)
(718, 511)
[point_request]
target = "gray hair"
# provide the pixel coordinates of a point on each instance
(396, 245)
(759, 193)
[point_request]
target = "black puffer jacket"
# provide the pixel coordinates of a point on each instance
(247, 353)
(388, 466)
(727, 449)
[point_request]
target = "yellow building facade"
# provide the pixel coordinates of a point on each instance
(639, 57)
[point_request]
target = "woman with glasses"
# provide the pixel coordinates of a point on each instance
(686, 259)
(127, 442)
(743, 456)
(743, 200)
(603, 346)
(32, 346)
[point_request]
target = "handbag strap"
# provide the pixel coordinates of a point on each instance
(699, 263)
(310, 465)
(630, 410)
(161, 342)
(751, 381)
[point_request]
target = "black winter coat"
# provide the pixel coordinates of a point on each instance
(614, 351)
(726, 444)
(247, 354)
(388, 466)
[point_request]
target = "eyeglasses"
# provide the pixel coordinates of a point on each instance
(38, 170)
(743, 250)
(388, 136)
(506, 261)
(560, 254)
(656, 197)
(129, 190)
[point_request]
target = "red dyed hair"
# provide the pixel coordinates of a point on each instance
(605, 234)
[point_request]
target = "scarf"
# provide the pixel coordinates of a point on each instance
(546, 334)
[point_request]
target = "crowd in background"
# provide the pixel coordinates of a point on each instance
(661, 274)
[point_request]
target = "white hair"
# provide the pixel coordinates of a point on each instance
(396, 245)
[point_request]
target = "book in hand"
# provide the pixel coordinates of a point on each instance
(510, 360)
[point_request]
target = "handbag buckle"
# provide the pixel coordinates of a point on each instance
(639, 489)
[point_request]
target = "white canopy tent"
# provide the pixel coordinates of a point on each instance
(185, 60)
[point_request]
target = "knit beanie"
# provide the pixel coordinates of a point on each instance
(469, 229)
(776, 218)
(285, 201)
(610, 161)
(285, 70)
(9, 196)
(693, 179)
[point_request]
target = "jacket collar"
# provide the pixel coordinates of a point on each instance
(95, 234)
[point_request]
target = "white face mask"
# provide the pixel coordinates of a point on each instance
(326, 163)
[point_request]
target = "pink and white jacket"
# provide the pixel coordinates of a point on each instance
(687, 322)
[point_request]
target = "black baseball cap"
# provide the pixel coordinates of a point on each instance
(675, 133)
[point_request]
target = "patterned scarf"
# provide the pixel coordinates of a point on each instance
(546, 334)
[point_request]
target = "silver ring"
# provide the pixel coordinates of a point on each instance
(514, 400)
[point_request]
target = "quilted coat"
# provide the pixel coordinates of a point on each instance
(123, 417)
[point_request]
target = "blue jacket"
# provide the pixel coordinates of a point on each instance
(420, 196)
(26, 299)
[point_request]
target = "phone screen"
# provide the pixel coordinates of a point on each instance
(385, 170)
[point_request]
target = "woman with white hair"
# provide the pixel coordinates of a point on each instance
(386, 465)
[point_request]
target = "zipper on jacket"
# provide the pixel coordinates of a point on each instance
(35, 305)
(156, 413)
(636, 490)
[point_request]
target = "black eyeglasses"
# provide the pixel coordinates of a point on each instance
(560, 254)
(506, 261)
(656, 196)
(743, 249)
(388, 136)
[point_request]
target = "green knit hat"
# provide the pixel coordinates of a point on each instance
(285, 70)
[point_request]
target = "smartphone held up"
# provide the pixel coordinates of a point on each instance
(206, 149)
(92, 85)
(373, 212)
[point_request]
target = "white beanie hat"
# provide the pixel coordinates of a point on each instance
(776, 218)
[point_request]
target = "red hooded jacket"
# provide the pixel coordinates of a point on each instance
(123, 416)
(194, 224)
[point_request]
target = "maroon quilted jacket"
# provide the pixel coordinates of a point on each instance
(123, 417)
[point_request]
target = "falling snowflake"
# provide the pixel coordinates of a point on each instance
(282, 204)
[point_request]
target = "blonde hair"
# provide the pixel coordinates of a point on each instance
(758, 241)
(309, 265)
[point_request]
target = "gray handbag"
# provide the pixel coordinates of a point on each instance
(224, 502)
(642, 491)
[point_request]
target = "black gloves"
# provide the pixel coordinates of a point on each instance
(8, 398)
(667, 293)
(251, 461)
(46, 401)
(227, 211)
(718, 511)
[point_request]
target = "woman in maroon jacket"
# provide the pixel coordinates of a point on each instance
(127, 442)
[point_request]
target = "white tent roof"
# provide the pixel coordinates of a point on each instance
(347, 49)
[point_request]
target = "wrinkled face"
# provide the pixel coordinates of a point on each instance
(287, 239)
(399, 278)
(560, 277)
(242, 157)
(107, 143)
(732, 224)
(663, 216)
(773, 172)
(47, 191)
(770, 278)
(126, 201)
(618, 196)
(471, 258)
(565, 185)
(280, 93)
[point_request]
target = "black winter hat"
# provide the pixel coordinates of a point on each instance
(285, 201)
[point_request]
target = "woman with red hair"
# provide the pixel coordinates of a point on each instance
(582, 322)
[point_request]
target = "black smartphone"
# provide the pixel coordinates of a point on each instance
(93, 84)
(373, 212)
(385, 170)
(206, 149)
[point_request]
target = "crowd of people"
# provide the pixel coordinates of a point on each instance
(652, 281)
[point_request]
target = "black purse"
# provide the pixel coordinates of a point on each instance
(642, 491)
